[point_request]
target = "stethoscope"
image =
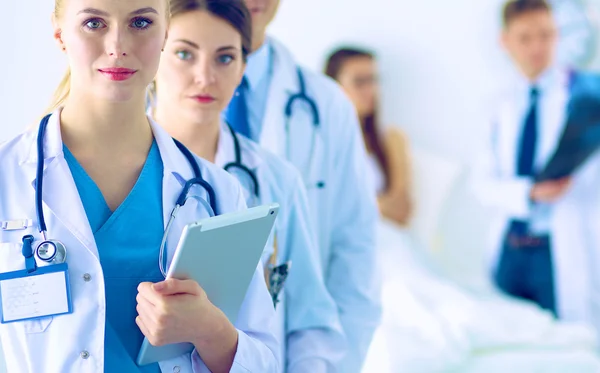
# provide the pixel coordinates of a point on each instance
(238, 164)
(277, 274)
(301, 95)
(54, 252)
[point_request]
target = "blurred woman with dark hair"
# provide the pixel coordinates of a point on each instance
(356, 71)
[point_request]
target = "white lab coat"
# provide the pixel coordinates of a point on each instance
(344, 211)
(495, 185)
(307, 317)
(55, 344)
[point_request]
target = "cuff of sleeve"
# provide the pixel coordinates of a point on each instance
(245, 359)
(521, 203)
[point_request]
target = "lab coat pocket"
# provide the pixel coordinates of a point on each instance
(11, 257)
(38, 325)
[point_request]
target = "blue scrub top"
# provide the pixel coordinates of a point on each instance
(128, 254)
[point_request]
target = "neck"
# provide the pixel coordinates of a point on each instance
(96, 124)
(258, 39)
(534, 76)
(201, 136)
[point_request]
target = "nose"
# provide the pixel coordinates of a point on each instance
(116, 43)
(204, 73)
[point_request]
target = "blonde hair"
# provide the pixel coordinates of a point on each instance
(64, 87)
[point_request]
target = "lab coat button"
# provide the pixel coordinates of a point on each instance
(176, 369)
(84, 355)
(87, 277)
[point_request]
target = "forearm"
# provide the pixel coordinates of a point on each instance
(218, 351)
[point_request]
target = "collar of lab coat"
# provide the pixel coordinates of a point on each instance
(259, 65)
(53, 147)
(284, 67)
(284, 83)
(226, 150)
(67, 205)
(552, 77)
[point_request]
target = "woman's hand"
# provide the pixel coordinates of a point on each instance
(175, 311)
(396, 207)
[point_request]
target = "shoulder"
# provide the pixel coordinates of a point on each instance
(13, 155)
(395, 140)
(585, 83)
(318, 85)
(325, 89)
(395, 135)
(17, 148)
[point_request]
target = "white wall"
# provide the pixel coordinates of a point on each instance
(31, 64)
(438, 58)
(439, 61)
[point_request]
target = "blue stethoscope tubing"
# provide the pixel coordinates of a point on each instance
(181, 199)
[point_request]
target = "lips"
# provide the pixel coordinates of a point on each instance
(117, 73)
(204, 99)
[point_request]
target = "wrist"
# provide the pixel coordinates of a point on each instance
(216, 331)
(217, 348)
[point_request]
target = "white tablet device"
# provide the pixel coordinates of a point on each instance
(221, 254)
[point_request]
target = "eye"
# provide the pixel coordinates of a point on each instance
(183, 55)
(94, 24)
(225, 59)
(141, 23)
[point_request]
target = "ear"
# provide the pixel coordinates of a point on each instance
(57, 32)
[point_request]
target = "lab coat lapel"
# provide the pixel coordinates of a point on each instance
(225, 147)
(226, 150)
(283, 84)
(507, 136)
(177, 170)
(62, 204)
(226, 159)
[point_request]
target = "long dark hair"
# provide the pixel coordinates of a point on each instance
(233, 12)
(369, 123)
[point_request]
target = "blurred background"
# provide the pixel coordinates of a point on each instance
(439, 61)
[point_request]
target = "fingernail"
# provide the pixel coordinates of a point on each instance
(159, 286)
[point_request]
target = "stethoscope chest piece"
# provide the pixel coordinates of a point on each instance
(51, 251)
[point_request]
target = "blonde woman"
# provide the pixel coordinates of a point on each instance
(106, 178)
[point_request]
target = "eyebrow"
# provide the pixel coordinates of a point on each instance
(99, 12)
(195, 46)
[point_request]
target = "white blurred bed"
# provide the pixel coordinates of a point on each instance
(440, 312)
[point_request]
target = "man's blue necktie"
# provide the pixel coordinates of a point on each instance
(526, 159)
(527, 150)
(236, 113)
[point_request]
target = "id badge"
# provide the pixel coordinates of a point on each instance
(44, 292)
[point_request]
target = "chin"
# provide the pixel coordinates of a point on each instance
(203, 116)
(121, 94)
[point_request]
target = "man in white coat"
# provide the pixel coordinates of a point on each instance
(321, 137)
(540, 239)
